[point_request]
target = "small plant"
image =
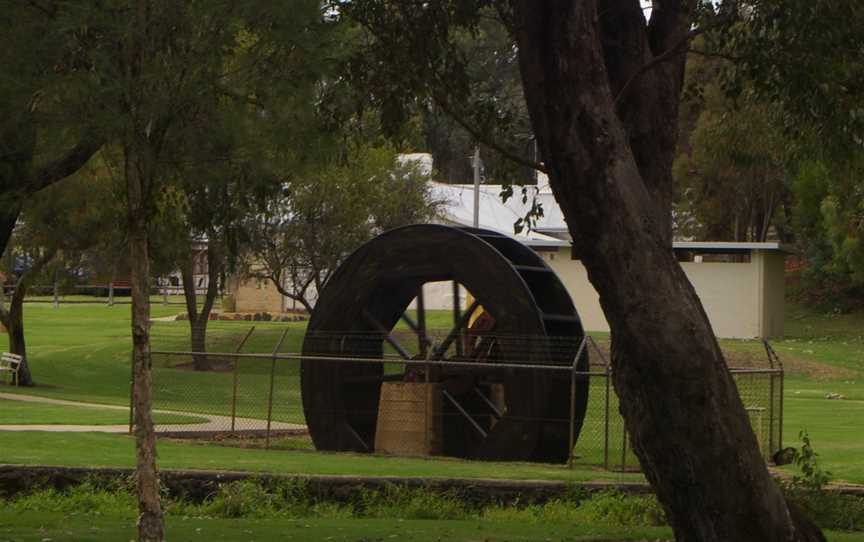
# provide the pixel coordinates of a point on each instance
(240, 499)
(813, 477)
(615, 508)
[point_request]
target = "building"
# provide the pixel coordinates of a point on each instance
(741, 285)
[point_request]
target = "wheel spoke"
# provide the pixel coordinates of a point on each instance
(456, 331)
(422, 339)
(457, 318)
(379, 327)
(497, 413)
(464, 413)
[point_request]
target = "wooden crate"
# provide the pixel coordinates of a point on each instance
(409, 419)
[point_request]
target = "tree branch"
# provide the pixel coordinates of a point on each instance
(669, 53)
(483, 138)
(68, 164)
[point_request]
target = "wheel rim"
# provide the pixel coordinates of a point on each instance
(535, 323)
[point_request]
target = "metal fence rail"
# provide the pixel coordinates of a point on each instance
(260, 394)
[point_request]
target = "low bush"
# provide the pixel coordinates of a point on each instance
(293, 499)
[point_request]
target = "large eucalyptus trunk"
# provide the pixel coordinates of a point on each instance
(605, 125)
(139, 177)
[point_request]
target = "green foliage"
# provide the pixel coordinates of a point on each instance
(731, 178)
(325, 214)
(828, 508)
(620, 509)
(793, 57)
(259, 498)
(88, 498)
(812, 477)
(405, 502)
(796, 54)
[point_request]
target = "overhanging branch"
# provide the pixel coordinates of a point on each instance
(68, 164)
(484, 138)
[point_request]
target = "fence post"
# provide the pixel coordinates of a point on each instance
(131, 394)
(606, 420)
(272, 380)
(572, 439)
(236, 363)
(111, 294)
(56, 292)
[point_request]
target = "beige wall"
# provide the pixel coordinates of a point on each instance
(742, 300)
(774, 290)
(253, 295)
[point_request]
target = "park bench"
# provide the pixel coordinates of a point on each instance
(11, 363)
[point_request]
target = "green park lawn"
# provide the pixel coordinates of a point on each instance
(22, 413)
(39, 526)
(81, 352)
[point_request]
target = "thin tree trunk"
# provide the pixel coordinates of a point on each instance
(138, 178)
(14, 322)
(198, 321)
(13, 318)
(680, 404)
(197, 328)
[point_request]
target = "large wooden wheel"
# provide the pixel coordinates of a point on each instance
(529, 319)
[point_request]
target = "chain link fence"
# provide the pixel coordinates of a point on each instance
(399, 399)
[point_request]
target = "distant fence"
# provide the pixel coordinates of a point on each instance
(260, 394)
(100, 294)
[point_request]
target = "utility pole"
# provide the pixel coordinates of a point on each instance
(476, 163)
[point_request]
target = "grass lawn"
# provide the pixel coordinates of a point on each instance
(39, 526)
(20, 412)
(81, 352)
(100, 449)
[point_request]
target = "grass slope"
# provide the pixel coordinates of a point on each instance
(99, 449)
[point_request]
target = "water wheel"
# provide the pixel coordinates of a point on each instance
(527, 318)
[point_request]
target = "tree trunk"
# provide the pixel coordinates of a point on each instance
(198, 321)
(138, 172)
(199, 344)
(680, 404)
(13, 318)
(14, 322)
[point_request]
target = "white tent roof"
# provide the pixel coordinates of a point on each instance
(495, 215)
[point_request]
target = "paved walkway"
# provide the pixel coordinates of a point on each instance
(213, 423)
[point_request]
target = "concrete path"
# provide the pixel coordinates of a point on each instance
(213, 423)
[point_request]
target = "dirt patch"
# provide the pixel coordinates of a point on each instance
(791, 364)
(756, 359)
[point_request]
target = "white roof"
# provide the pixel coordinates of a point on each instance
(494, 215)
(499, 216)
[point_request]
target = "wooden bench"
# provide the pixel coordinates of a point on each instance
(11, 363)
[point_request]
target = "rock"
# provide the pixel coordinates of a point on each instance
(784, 457)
